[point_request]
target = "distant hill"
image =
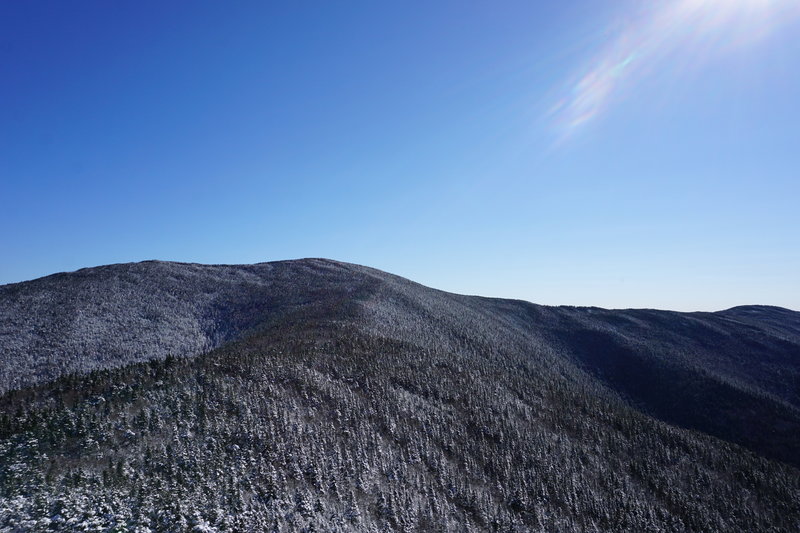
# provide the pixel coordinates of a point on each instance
(319, 395)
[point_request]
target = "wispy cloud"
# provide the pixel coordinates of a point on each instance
(692, 31)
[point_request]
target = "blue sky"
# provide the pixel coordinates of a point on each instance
(583, 153)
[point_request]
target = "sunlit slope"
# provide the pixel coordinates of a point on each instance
(118, 314)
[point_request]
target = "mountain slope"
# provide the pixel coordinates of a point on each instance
(119, 314)
(344, 398)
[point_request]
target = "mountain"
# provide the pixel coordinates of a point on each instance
(120, 314)
(315, 395)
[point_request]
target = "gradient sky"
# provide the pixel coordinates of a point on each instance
(610, 153)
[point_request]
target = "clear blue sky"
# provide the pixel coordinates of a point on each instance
(586, 153)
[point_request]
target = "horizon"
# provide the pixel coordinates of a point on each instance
(610, 155)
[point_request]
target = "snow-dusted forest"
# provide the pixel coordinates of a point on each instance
(320, 396)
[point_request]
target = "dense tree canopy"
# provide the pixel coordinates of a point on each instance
(358, 401)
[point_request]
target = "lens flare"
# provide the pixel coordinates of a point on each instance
(688, 32)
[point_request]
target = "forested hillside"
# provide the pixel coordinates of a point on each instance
(341, 398)
(119, 314)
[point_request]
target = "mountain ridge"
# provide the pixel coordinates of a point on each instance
(740, 307)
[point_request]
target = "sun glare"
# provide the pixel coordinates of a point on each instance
(695, 29)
